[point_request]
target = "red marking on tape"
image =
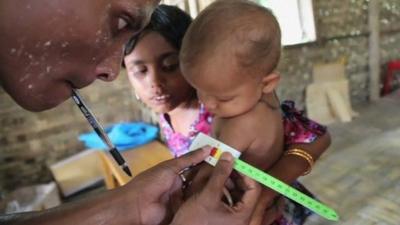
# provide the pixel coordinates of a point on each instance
(213, 152)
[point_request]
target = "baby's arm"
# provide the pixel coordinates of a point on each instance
(288, 169)
(258, 138)
(223, 132)
(253, 134)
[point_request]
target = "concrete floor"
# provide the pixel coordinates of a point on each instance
(359, 176)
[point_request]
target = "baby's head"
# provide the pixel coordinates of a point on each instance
(229, 55)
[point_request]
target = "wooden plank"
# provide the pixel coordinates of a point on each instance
(317, 104)
(330, 72)
(339, 105)
(323, 108)
(77, 172)
(109, 179)
(139, 160)
(374, 49)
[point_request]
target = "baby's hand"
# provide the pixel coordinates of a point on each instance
(199, 176)
(187, 175)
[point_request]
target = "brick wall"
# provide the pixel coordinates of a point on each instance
(30, 141)
(342, 30)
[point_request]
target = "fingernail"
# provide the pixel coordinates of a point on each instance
(207, 149)
(226, 156)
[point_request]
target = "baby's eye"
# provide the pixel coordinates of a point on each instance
(225, 99)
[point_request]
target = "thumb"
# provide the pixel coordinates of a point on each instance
(213, 190)
(187, 160)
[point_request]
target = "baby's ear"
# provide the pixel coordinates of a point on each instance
(270, 82)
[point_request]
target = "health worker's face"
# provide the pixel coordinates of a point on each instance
(49, 47)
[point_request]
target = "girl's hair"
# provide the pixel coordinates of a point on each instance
(169, 21)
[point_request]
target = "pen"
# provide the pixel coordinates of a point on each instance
(100, 131)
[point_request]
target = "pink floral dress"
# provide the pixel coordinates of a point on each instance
(297, 129)
(178, 143)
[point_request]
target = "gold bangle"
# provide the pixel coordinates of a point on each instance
(303, 154)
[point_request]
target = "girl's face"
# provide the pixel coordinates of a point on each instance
(153, 70)
(49, 47)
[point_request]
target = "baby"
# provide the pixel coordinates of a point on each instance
(229, 55)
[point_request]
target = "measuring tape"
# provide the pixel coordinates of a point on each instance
(260, 176)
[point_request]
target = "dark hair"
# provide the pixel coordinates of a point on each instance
(169, 21)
